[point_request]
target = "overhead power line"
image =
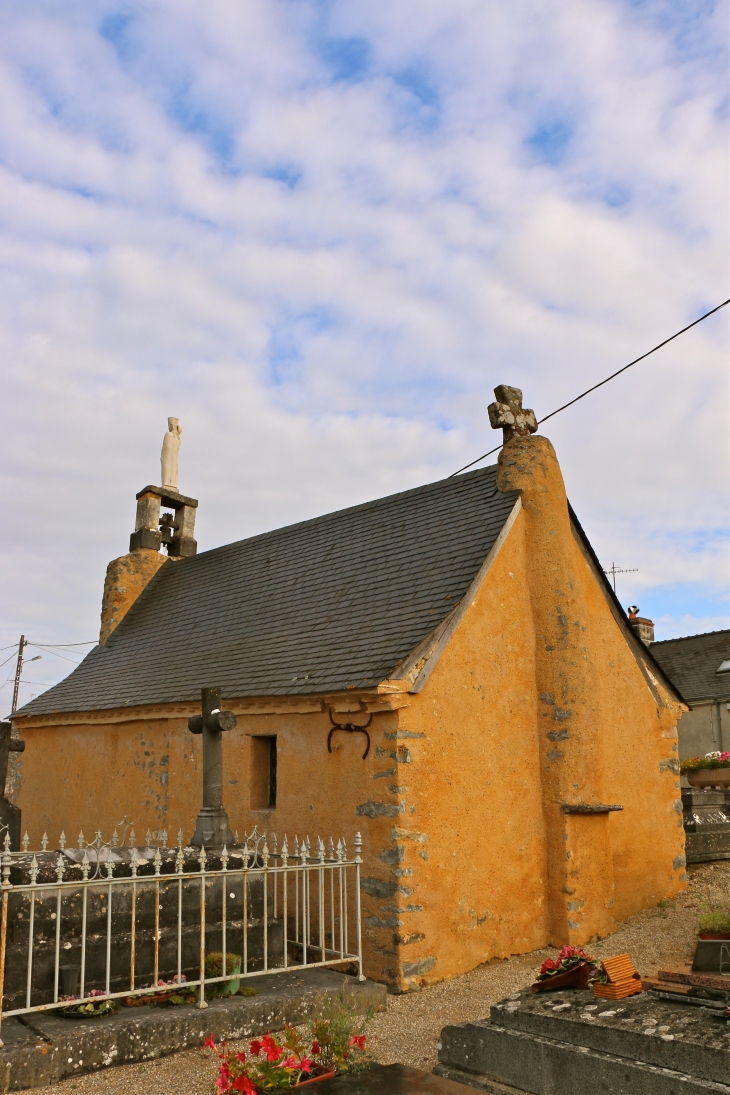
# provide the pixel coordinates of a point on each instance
(602, 382)
(55, 653)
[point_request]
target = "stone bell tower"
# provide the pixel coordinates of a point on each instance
(127, 576)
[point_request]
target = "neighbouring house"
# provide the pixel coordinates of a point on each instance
(700, 667)
(521, 787)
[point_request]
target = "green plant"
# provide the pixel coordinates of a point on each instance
(247, 990)
(214, 964)
(664, 904)
(715, 918)
(337, 1030)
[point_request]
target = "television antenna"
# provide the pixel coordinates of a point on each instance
(613, 570)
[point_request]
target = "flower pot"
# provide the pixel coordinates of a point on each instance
(714, 935)
(709, 777)
(316, 1079)
(230, 988)
(577, 977)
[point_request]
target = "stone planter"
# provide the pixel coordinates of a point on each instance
(709, 777)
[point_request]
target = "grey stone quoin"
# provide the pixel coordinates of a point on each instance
(212, 828)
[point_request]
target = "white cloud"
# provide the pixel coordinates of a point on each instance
(319, 236)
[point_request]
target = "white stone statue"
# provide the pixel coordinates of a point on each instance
(168, 458)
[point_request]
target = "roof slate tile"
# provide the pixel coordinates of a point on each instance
(321, 606)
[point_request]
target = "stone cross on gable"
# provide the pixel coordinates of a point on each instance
(509, 415)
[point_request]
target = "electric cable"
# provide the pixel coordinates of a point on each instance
(39, 646)
(601, 382)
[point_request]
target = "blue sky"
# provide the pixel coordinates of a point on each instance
(319, 233)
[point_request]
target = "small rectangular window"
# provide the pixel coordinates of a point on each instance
(263, 773)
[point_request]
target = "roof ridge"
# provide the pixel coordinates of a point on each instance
(699, 635)
(347, 509)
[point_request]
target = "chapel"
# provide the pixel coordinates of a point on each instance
(446, 670)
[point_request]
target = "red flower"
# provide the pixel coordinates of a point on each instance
(305, 1064)
(358, 1040)
(290, 1062)
(241, 1057)
(223, 1078)
(272, 1051)
(242, 1083)
(315, 1046)
(209, 1042)
(255, 1047)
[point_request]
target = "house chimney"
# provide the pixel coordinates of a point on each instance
(127, 576)
(640, 626)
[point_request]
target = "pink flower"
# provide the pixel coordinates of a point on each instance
(290, 1062)
(305, 1064)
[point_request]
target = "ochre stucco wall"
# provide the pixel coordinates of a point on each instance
(641, 768)
(537, 701)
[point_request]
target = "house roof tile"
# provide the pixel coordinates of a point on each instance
(692, 663)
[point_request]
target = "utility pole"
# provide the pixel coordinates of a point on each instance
(613, 570)
(18, 670)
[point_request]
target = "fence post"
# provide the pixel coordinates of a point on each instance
(358, 909)
(7, 861)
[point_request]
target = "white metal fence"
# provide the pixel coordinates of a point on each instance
(128, 918)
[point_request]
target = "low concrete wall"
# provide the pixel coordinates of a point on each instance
(46, 1048)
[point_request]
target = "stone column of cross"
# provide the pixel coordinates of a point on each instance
(212, 828)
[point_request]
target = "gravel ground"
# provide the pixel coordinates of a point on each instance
(408, 1032)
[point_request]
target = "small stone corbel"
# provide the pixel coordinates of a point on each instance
(349, 728)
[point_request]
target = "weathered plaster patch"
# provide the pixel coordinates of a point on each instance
(398, 735)
(380, 809)
(419, 967)
(408, 834)
(392, 855)
(377, 887)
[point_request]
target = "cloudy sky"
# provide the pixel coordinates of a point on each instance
(319, 233)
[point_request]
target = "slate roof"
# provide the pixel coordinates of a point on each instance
(321, 606)
(692, 664)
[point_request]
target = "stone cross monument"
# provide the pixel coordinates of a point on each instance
(212, 828)
(509, 414)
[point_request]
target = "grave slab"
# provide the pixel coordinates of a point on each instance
(569, 1043)
(389, 1080)
(44, 1048)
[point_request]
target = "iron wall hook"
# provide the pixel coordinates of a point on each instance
(349, 728)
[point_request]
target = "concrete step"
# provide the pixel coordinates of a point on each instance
(44, 1048)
